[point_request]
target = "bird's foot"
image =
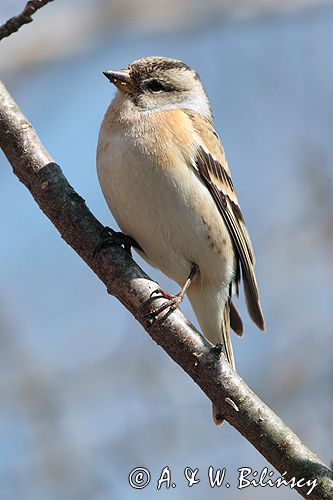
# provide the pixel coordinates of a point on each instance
(109, 237)
(162, 293)
(217, 350)
(173, 303)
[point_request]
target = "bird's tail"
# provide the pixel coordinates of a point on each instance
(212, 309)
(228, 352)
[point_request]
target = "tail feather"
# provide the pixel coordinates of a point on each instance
(226, 340)
(236, 322)
(211, 306)
(252, 299)
(228, 351)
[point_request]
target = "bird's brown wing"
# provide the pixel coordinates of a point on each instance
(212, 167)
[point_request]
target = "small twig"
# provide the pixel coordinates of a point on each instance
(14, 23)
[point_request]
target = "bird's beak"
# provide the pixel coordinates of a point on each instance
(121, 80)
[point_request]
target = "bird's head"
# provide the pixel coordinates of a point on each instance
(158, 83)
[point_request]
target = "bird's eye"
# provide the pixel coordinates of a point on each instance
(155, 86)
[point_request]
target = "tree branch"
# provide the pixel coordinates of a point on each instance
(128, 283)
(15, 23)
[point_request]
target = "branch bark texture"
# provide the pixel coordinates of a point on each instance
(123, 278)
(15, 23)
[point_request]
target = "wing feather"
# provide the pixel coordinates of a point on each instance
(218, 181)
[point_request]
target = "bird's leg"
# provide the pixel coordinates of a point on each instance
(173, 301)
(109, 237)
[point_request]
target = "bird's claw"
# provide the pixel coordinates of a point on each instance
(173, 301)
(172, 304)
(109, 237)
(217, 350)
(105, 241)
(162, 293)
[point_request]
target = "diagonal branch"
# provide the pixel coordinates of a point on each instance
(15, 23)
(128, 283)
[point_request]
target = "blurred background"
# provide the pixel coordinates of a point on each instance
(85, 394)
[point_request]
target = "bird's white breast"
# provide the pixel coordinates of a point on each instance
(168, 211)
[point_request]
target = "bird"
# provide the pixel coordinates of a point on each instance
(165, 177)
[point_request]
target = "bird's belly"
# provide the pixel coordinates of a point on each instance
(168, 211)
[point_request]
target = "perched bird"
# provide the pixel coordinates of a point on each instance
(165, 177)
